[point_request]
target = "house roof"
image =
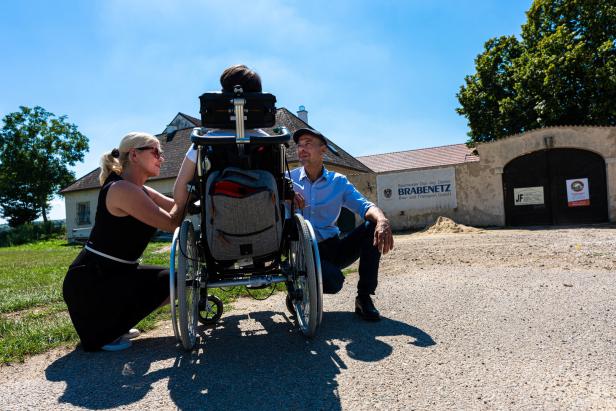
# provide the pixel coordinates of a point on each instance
(176, 148)
(192, 119)
(420, 158)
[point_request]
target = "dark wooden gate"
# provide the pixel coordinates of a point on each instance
(535, 188)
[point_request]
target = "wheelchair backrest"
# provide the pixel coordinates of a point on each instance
(243, 214)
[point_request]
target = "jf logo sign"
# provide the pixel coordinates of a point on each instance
(424, 190)
(528, 196)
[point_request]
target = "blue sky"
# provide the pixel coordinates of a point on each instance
(375, 76)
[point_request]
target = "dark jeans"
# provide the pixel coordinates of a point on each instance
(105, 299)
(338, 253)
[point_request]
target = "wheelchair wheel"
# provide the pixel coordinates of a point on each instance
(210, 310)
(319, 274)
(289, 303)
(188, 285)
(307, 290)
(173, 266)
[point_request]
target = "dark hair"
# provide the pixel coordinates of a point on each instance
(240, 75)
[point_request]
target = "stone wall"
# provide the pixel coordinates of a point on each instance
(601, 140)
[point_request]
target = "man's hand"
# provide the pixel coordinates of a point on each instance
(299, 200)
(383, 237)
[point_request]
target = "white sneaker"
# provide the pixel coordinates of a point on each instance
(118, 345)
(132, 333)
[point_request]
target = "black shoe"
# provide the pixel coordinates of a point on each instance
(364, 307)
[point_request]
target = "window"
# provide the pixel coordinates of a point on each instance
(83, 213)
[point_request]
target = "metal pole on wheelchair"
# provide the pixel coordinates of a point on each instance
(238, 108)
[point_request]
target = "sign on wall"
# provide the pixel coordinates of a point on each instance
(528, 195)
(424, 190)
(578, 192)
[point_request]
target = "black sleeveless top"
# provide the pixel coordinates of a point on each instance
(120, 237)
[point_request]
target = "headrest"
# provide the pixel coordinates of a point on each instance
(217, 109)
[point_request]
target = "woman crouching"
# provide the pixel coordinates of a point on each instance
(106, 290)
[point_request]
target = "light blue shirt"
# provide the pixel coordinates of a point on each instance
(324, 199)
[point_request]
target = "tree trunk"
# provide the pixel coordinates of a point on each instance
(44, 213)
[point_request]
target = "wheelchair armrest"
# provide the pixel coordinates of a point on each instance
(199, 138)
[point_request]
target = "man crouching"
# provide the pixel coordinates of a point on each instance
(320, 194)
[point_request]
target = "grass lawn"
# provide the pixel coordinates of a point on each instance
(33, 315)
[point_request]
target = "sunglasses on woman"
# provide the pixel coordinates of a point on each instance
(157, 153)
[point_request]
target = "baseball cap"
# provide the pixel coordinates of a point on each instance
(300, 132)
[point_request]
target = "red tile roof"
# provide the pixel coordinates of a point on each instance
(420, 158)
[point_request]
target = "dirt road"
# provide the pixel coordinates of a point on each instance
(499, 319)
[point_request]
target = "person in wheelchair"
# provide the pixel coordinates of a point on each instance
(106, 290)
(248, 233)
(320, 194)
(232, 76)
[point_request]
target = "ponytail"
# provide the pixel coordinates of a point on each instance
(109, 163)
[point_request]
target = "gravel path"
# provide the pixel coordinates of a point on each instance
(503, 319)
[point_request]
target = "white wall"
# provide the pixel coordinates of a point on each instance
(75, 231)
(417, 191)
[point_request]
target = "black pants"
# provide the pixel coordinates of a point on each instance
(338, 253)
(105, 299)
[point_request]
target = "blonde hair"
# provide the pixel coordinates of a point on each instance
(110, 163)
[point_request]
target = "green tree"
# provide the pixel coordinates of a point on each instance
(561, 72)
(36, 149)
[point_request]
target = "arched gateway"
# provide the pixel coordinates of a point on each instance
(555, 186)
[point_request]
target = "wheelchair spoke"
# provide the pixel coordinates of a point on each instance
(188, 285)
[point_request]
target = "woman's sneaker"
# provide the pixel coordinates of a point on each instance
(118, 345)
(132, 333)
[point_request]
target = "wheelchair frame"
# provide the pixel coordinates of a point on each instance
(193, 270)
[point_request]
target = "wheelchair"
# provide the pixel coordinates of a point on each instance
(248, 232)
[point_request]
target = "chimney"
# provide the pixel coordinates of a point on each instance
(302, 114)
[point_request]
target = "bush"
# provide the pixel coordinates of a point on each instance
(31, 232)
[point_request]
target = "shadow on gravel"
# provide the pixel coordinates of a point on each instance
(256, 361)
